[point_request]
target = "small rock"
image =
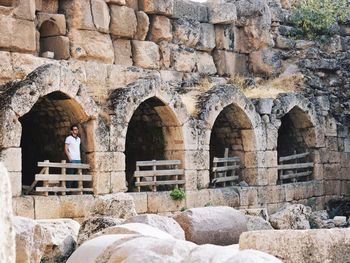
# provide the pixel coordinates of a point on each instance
(340, 221)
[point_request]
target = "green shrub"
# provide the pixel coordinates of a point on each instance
(178, 194)
(314, 18)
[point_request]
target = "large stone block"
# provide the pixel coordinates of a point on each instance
(226, 196)
(91, 45)
(107, 161)
(78, 14)
(140, 200)
(207, 37)
(198, 198)
(205, 63)
(118, 182)
(186, 32)
(100, 15)
(75, 206)
(12, 159)
(17, 35)
(122, 52)
(23, 206)
(102, 183)
(161, 29)
(25, 9)
(16, 183)
(197, 160)
(224, 37)
(222, 13)
(160, 7)
(191, 180)
(162, 202)
(5, 67)
(58, 45)
(142, 25)
(145, 54)
(230, 63)
(191, 10)
(49, 6)
(123, 21)
(248, 196)
(321, 245)
(183, 59)
(46, 207)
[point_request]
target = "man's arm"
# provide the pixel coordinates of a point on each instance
(66, 151)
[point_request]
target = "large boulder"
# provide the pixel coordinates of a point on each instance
(309, 246)
(31, 240)
(134, 228)
(94, 225)
(212, 225)
(257, 223)
(62, 238)
(7, 242)
(117, 205)
(320, 219)
(291, 217)
(166, 224)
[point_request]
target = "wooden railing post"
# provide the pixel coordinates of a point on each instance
(63, 182)
(225, 164)
(154, 168)
(47, 172)
(138, 179)
(80, 182)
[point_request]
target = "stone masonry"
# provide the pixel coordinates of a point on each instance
(154, 79)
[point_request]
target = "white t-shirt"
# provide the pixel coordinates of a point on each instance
(73, 147)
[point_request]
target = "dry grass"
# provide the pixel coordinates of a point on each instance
(270, 88)
(204, 84)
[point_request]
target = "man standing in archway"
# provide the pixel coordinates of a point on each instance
(72, 151)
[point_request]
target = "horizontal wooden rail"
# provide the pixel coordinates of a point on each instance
(226, 159)
(158, 163)
(158, 183)
(225, 168)
(151, 173)
(60, 177)
(294, 175)
(62, 189)
(294, 166)
(64, 165)
(293, 157)
(225, 179)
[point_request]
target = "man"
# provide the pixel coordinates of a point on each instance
(72, 151)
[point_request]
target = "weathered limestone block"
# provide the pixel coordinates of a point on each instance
(78, 14)
(122, 52)
(7, 242)
(140, 200)
(91, 45)
(186, 32)
(46, 207)
(212, 225)
(117, 2)
(5, 67)
(224, 37)
(321, 245)
(17, 35)
(183, 59)
(197, 159)
(340, 221)
(49, 30)
(12, 159)
(248, 196)
(23, 206)
(161, 29)
(118, 182)
(94, 225)
(59, 45)
(118, 205)
(75, 206)
(145, 54)
(230, 63)
(100, 15)
(62, 238)
(266, 61)
(291, 217)
(134, 228)
(191, 10)
(207, 37)
(257, 223)
(134, 4)
(31, 240)
(265, 106)
(25, 9)
(205, 63)
(320, 219)
(226, 196)
(123, 21)
(16, 183)
(49, 6)
(166, 224)
(160, 7)
(158, 202)
(222, 13)
(142, 25)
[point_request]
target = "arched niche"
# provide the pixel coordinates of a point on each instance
(296, 135)
(153, 133)
(44, 129)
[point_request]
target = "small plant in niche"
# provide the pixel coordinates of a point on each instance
(177, 194)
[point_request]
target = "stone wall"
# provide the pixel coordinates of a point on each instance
(120, 65)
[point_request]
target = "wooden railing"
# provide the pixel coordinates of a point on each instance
(56, 183)
(224, 170)
(293, 169)
(158, 173)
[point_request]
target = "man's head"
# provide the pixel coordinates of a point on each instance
(74, 130)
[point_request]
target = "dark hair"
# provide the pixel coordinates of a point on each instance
(73, 126)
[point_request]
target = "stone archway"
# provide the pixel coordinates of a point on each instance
(232, 122)
(47, 102)
(147, 124)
